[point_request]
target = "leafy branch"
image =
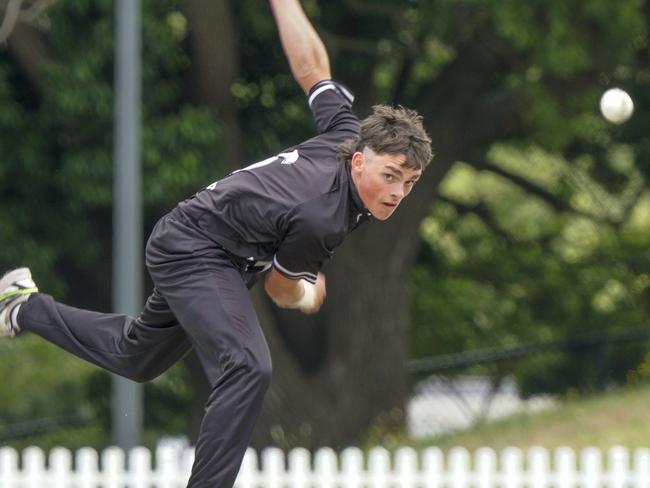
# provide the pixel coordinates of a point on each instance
(14, 11)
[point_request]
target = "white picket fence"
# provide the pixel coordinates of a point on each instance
(485, 468)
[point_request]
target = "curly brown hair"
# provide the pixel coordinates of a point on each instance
(392, 130)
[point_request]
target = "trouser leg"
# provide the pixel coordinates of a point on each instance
(139, 349)
(210, 300)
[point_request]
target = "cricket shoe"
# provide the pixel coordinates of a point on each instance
(15, 288)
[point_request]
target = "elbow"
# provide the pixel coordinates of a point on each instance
(306, 63)
(308, 79)
(309, 70)
(306, 68)
(282, 301)
(279, 298)
(282, 296)
(269, 290)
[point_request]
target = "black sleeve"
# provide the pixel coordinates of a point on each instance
(331, 104)
(303, 250)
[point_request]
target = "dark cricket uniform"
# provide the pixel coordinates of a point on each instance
(292, 209)
(289, 211)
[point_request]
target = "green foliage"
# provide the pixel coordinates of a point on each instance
(167, 399)
(551, 243)
(557, 248)
(56, 187)
(502, 267)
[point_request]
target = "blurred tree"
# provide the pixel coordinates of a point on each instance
(503, 265)
(523, 73)
(56, 170)
(543, 236)
(488, 76)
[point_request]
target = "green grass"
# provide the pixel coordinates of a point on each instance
(617, 417)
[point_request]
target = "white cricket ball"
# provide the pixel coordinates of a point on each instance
(616, 105)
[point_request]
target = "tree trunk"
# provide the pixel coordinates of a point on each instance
(351, 374)
(342, 371)
(215, 66)
(29, 49)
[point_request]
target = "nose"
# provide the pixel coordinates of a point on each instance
(397, 191)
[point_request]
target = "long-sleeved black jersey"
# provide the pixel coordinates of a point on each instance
(293, 208)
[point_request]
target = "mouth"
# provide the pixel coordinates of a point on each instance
(389, 205)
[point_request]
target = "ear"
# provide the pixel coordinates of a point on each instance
(356, 163)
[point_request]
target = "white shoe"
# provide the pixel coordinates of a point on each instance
(15, 288)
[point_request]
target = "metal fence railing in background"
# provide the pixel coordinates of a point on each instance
(446, 398)
(441, 404)
(405, 468)
(599, 343)
(443, 400)
(33, 427)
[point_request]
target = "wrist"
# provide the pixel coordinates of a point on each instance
(309, 296)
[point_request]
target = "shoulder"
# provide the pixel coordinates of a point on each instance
(337, 88)
(331, 103)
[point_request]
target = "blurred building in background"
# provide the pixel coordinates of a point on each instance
(441, 404)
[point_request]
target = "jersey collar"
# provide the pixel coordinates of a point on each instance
(358, 212)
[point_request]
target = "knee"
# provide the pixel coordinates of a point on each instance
(142, 371)
(260, 368)
(255, 368)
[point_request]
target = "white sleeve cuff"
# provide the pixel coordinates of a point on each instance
(305, 275)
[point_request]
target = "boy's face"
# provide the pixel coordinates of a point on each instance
(382, 180)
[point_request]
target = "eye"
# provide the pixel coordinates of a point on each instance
(410, 183)
(389, 177)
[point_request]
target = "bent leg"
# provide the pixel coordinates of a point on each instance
(139, 349)
(211, 301)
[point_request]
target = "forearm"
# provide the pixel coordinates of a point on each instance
(285, 293)
(298, 294)
(303, 47)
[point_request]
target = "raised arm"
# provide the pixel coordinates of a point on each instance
(303, 47)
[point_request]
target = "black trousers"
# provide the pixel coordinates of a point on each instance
(200, 301)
